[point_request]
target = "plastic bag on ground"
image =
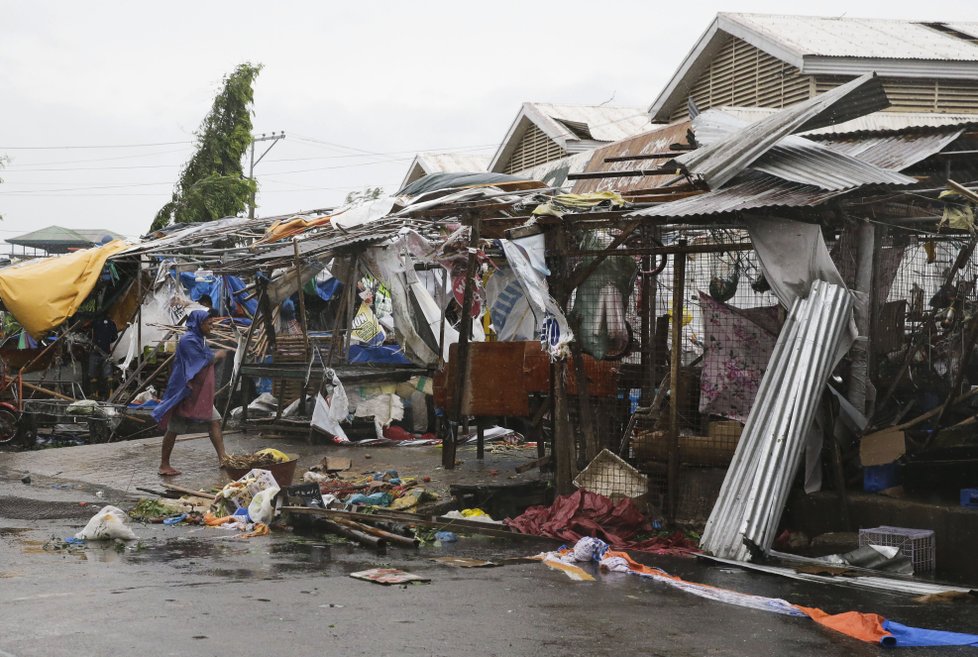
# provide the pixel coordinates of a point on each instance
(262, 507)
(109, 523)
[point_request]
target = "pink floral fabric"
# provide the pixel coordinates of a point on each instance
(738, 345)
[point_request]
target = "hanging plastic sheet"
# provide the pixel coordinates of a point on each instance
(552, 326)
(417, 317)
(600, 301)
(324, 420)
(512, 317)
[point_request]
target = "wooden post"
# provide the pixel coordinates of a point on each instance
(465, 329)
(647, 310)
(564, 452)
(444, 297)
(859, 371)
(139, 313)
(244, 357)
(302, 300)
(344, 303)
(591, 446)
(675, 363)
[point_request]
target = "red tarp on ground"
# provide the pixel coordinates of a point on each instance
(584, 513)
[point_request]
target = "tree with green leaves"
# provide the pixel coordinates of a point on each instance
(212, 184)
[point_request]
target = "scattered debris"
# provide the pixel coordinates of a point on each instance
(388, 576)
(463, 562)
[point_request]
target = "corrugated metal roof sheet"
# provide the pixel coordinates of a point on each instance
(604, 123)
(750, 192)
(858, 37)
(896, 152)
(452, 162)
(874, 122)
(722, 160)
(799, 160)
(971, 29)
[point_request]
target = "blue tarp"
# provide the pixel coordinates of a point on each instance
(383, 354)
(226, 292)
(325, 290)
(918, 637)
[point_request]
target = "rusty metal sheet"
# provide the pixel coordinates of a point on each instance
(502, 376)
(602, 376)
(647, 143)
(495, 385)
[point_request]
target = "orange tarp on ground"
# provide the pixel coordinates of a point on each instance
(865, 627)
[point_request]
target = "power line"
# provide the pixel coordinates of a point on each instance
(4, 192)
(9, 170)
(102, 159)
(88, 146)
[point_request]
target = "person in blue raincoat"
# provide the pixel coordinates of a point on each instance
(189, 397)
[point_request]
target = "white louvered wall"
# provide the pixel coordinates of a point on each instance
(743, 75)
(534, 148)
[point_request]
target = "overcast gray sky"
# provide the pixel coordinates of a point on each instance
(99, 100)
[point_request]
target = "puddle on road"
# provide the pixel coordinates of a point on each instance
(185, 550)
(13, 531)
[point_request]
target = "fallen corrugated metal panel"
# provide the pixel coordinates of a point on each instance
(802, 160)
(723, 160)
(653, 141)
(896, 152)
(855, 159)
(875, 583)
(756, 486)
(749, 192)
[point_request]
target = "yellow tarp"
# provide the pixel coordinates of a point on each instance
(42, 294)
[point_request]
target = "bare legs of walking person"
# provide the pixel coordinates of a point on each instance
(169, 439)
(217, 440)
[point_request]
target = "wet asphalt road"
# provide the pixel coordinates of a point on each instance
(199, 591)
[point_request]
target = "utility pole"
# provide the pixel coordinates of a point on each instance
(274, 138)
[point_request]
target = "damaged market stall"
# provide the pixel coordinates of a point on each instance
(874, 197)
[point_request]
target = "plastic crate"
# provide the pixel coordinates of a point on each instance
(969, 498)
(881, 477)
(916, 544)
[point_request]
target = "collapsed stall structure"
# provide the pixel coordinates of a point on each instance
(712, 301)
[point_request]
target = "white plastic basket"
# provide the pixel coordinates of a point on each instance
(611, 476)
(918, 545)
